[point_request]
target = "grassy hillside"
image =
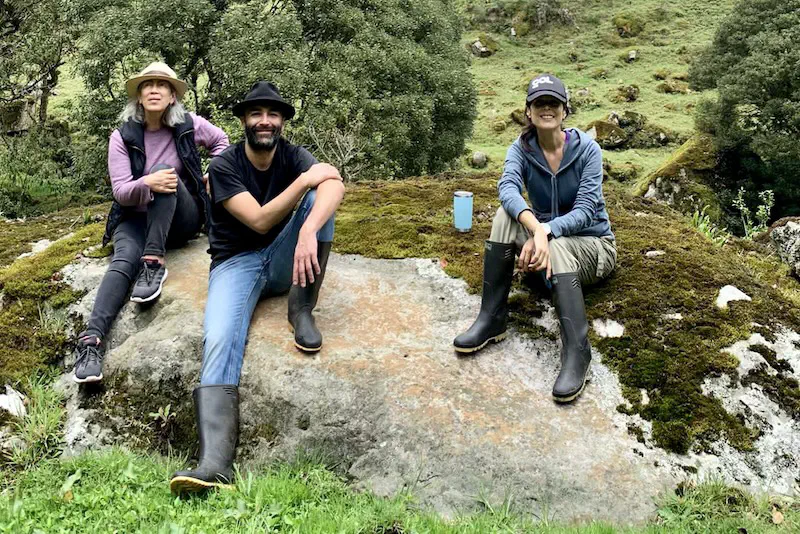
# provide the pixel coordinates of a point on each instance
(591, 55)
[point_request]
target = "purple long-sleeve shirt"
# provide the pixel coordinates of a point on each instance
(159, 147)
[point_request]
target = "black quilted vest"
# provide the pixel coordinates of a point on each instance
(133, 136)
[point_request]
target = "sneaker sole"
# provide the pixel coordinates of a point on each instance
(180, 485)
(88, 379)
(574, 396)
(154, 295)
(469, 350)
(301, 347)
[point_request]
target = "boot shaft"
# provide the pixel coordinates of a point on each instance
(306, 297)
(217, 414)
(498, 271)
(571, 310)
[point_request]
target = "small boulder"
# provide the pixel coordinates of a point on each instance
(518, 116)
(478, 160)
(633, 55)
(627, 93)
(673, 87)
(484, 46)
(624, 172)
(631, 119)
(608, 134)
(499, 125)
(728, 294)
(480, 50)
(13, 402)
(654, 253)
(785, 234)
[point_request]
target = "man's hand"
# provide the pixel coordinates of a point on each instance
(163, 181)
(318, 173)
(306, 265)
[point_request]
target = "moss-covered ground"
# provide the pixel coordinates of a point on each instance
(668, 358)
(33, 298)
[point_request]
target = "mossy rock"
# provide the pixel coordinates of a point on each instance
(653, 136)
(608, 134)
(683, 180)
(499, 125)
(661, 74)
(626, 93)
(599, 74)
(518, 116)
(629, 24)
(489, 42)
(624, 172)
(673, 87)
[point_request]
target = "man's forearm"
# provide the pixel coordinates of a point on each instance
(329, 196)
(276, 209)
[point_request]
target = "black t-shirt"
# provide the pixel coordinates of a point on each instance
(232, 173)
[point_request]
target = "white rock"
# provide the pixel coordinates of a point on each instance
(728, 294)
(645, 397)
(673, 316)
(607, 328)
(13, 402)
(654, 253)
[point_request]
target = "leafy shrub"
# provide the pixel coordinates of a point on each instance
(395, 68)
(752, 62)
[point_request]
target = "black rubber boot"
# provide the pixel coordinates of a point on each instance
(217, 412)
(498, 269)
(302, 300)
(576, 354)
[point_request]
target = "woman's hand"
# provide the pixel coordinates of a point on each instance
(163, 181)
(535, 254)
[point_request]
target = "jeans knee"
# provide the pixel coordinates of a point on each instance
(309, 198)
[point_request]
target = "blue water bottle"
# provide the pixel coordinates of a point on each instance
(462, 210)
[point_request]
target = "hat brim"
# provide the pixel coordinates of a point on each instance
(545, 92)
(132, 85)
(286, 108)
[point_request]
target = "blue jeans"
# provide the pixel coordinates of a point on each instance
(234, 288)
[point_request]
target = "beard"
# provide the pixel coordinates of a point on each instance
(257, 143)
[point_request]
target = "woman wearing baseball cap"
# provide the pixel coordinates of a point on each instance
(159, 199)
(563, 235)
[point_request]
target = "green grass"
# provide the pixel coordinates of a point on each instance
(127, 492)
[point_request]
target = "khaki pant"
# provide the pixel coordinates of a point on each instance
(593, 258)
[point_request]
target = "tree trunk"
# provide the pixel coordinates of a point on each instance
(48, 84)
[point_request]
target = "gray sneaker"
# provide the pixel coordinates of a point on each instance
(89, 364)
(150, 281)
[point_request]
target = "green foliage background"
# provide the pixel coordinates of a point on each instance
(753, 63)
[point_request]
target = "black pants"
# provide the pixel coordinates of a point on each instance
(170, 221)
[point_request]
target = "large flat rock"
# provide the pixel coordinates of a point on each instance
(389, 401)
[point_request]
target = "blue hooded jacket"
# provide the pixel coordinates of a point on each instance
(571, 200)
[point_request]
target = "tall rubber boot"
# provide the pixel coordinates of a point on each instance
(217, 412)
(576, 354)
(302, 300)
(498, 269)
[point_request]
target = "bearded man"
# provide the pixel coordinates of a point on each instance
(260, 246)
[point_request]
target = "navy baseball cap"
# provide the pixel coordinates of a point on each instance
(547, 84)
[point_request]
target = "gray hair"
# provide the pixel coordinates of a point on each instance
(172, 116)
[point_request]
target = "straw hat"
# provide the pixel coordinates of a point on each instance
(155, 71)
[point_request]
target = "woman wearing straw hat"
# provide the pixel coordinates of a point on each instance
(159, 199)
(564, 235)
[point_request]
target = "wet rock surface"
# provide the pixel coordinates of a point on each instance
(389, 402)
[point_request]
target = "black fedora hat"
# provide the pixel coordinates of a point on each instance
(264, 93)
